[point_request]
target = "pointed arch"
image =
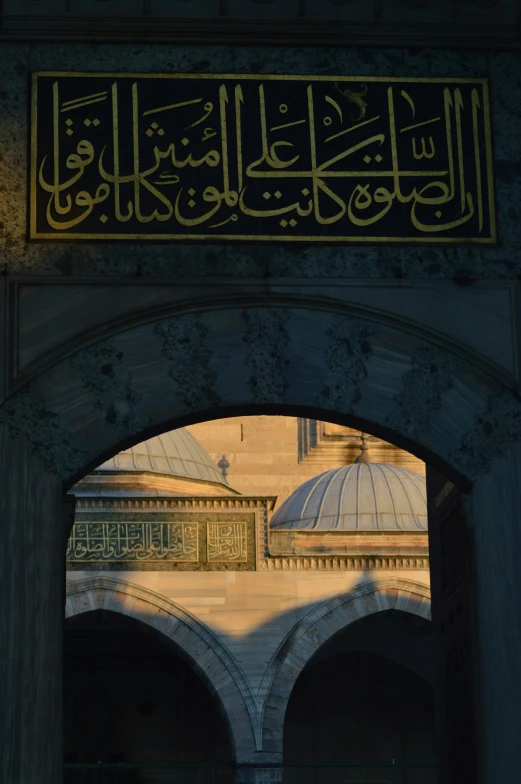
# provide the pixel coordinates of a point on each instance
(315, 629)
(203, 649)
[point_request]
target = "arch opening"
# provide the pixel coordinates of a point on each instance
(259, 692)
(360, 712)
(401, 637)
(131, 697)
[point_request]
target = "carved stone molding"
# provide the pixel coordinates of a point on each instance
(26, 416)
(188, 356)
(493, 431)
(267, 339)
(340, 563)
(325, 444)
(111, 388)
(346, 356)
(240, 503)
(317, 445)
(431, 374)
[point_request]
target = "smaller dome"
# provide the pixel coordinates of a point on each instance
(359, 497)
(177, 453)
(173, 463)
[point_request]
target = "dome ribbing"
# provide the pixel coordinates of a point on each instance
(360, 497)
(177, 453)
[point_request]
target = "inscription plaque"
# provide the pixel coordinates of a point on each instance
(100, 542)
(227, 542)
(260, 158)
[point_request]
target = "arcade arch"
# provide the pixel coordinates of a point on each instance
(318, 627)
(197, 644)
(131, 698)
(255, 720)
(359, 716)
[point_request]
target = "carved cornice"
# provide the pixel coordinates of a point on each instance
(471, 26)
(132, 483)
(175, 504)
(355, 563)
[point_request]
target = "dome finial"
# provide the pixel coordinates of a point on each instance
(363, 457)
(224, 466)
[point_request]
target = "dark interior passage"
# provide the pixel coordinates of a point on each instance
(354, 706)
(130, 698)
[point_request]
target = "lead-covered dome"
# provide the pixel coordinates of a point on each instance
(359, 497)
(177, 453)
(173, 463)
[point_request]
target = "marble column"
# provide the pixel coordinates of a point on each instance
(33, 537)
(496, 524)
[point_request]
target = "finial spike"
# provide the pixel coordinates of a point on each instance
(363, 457)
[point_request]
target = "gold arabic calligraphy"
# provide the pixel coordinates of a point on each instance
(231, 158)
(227, 542)
(133, 542)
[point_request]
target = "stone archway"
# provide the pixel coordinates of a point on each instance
(82, 399)
(85, 399)
(319, 626)
(202, 648)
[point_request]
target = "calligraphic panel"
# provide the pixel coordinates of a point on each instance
(260, 158)
(136, 541)
(227, 542)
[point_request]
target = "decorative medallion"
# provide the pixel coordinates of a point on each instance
(188, 356)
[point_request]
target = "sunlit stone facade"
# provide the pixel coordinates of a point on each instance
(274, 599)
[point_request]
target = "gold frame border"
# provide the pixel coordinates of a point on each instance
(491, 240)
